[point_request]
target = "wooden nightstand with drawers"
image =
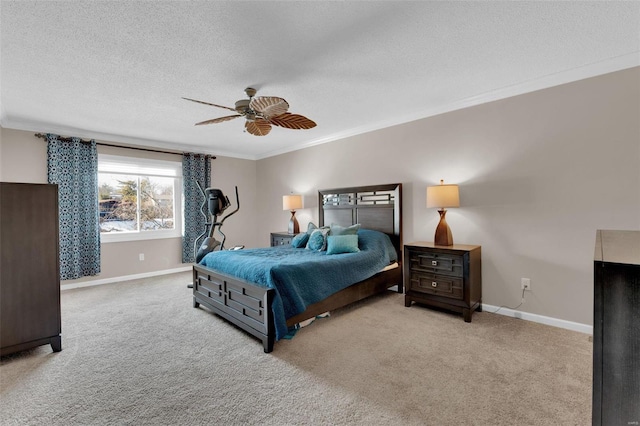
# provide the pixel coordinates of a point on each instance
(447, 277)
(281, 239)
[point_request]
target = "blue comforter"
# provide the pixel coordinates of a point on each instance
(302, 277)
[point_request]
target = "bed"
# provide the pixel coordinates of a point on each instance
(257, 307)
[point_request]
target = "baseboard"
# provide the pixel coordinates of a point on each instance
(555, 322)
(124, 278)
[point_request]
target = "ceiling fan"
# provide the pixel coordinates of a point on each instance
(261, 112)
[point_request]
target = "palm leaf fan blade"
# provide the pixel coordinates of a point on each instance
(218, 120)
(269, 106)
(259, 127)
(292, 121)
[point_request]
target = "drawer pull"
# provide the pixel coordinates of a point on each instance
(434, 284)
(434, 263)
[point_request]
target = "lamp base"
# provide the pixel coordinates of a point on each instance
(443, 235)
(294, 228)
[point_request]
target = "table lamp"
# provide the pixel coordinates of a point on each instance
(442, 196)
(291, 203)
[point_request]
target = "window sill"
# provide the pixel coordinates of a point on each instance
(137, 236)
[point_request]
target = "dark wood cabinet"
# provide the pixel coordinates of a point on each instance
(281, 239)
(29, 267)
(447, 277)
(616, 328)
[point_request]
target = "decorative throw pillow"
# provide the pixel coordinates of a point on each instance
(341, 230)
(300, 240)
(318, 239)
(311, 227)
(337, 244)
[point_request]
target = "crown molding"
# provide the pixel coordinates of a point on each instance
(569, 76)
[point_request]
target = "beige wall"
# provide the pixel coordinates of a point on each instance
(538, 174)
(23, 158)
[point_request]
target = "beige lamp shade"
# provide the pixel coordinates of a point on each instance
(291, 202)
(442, 196)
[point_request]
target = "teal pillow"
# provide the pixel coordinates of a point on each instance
(337, 244)
(341, 230)
(318, 239)
(300, 240)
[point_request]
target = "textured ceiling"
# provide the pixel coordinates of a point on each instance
(117, 70)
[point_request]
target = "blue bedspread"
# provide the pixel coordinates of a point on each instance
(302, 277)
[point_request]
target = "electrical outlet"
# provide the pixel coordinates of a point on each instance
(525, 283)
(141, 256)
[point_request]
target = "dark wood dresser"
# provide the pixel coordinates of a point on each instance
(616, 328)
(29, 267)
(281, 239)
(447, 277)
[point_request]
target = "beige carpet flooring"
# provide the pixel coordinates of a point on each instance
(137, 353)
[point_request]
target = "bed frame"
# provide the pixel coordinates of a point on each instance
(248, 306)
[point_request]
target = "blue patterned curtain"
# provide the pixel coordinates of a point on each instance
(195, 167)
(73, 166)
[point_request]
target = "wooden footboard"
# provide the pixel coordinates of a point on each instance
(249, 306)
(244, 304)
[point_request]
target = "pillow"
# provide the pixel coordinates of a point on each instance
(311, 227)
(300, 240)
(341, 230)
(318, 239)
(337, 244)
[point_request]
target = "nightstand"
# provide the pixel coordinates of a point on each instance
(281, 239)
(447, 277)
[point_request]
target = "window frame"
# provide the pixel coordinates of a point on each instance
(135, 166)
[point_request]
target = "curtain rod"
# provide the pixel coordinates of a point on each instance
(42, 136)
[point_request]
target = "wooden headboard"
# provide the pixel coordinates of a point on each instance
(377, 207)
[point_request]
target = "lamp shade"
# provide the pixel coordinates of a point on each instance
(442, 196)
(291, 202)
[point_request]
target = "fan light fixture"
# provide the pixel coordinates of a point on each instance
(292, 203)
(442, 196)
(260, 112)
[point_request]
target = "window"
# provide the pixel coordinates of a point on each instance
(139, 198)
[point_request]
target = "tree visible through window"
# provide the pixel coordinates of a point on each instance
(136, 202)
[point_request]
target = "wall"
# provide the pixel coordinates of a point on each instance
(538, 173)
(23, 158)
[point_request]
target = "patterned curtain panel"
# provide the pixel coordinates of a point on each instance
(195, 168)
(73, 166)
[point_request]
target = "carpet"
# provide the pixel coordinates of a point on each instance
(137, 352)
